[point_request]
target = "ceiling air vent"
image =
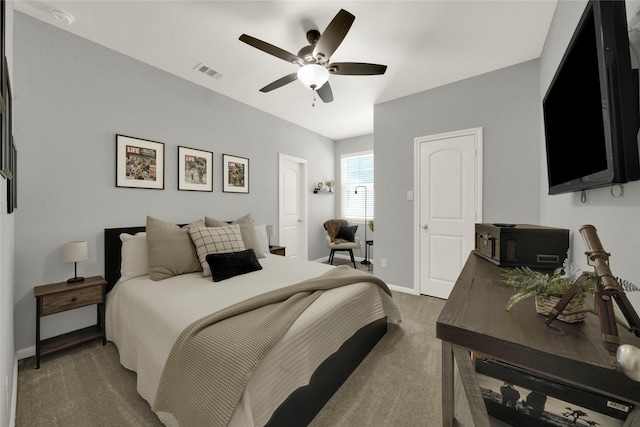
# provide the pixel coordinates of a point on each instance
(208, 71)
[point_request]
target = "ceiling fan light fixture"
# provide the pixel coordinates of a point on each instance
(313, 76)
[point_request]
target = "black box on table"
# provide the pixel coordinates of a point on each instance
(522, 398)
(518, 245)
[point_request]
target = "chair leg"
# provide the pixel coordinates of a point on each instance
(352, 258)
(331, 256)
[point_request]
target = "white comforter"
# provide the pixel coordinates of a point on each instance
(144, 318)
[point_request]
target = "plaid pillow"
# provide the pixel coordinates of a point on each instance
(215, 240)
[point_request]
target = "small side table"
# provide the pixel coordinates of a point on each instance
(367, 253)
(277, 250)
(58, 297)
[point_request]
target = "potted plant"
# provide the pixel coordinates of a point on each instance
(547, 290)
(330, 183)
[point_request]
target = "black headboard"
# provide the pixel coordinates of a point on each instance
(113, 252)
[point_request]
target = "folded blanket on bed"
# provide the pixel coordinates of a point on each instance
(213, 358)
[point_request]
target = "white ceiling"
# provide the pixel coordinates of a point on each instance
(424, 44)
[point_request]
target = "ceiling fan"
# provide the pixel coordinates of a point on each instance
(313, 59)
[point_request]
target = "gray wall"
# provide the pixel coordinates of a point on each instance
(7, 241)
(616, 219)
(72, 97)
(506, 104)
(348, 146)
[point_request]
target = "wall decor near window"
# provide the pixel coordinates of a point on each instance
(139, 163)
(195, 169)
(235, 174)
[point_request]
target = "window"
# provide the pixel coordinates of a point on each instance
(356, 173)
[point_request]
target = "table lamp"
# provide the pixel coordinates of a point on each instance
(270, 231)
(74, 252)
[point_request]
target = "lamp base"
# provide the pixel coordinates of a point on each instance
(75, 280)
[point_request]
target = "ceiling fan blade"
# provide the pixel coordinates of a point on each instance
(325, 93)
(271, 49)
(333, 35)
(280, 82)
(356, 69)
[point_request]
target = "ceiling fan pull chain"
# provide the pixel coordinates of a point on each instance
(313, 104)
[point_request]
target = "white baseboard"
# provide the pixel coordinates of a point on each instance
(26, 352)
(403, 289)
(392, 287)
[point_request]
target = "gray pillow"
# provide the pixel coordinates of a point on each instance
(247, 229)
(171, 251)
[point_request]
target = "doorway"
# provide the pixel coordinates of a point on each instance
(292, 206)
(448, 184)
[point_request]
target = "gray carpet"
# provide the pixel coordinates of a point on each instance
(398, 384)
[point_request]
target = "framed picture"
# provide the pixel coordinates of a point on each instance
(12, 183)
(139, 163)
(14, 180)
(195, 169)
(235, 174)
(7, 121)
(4, 88)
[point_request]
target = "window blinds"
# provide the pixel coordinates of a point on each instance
(357, 171)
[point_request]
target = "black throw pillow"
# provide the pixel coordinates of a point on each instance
(227, 265)
(347, 233)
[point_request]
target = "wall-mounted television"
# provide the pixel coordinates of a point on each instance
(591, 108)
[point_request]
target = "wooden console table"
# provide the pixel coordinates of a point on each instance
(474, 319)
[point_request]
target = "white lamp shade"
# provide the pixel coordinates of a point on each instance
(313, 76)
(75, 251)
(270, 230)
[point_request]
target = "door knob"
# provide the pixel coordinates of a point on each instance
(299, 220)
(425, 226)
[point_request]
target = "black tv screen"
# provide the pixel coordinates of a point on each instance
(590, 109)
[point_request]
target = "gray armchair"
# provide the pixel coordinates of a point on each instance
(335, 240)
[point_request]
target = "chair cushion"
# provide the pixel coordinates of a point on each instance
(345, 245)
(347, 233)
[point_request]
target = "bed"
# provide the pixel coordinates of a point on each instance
(297, 376)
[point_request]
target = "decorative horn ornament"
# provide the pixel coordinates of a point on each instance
(628, 357)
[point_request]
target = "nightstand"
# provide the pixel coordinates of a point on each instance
(58, 297)
(277, 250)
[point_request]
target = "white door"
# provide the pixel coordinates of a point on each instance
(449, 191)
(293, 201)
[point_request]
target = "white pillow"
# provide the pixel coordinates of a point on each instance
(263, 238)
(215, 240)
(135, 258)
